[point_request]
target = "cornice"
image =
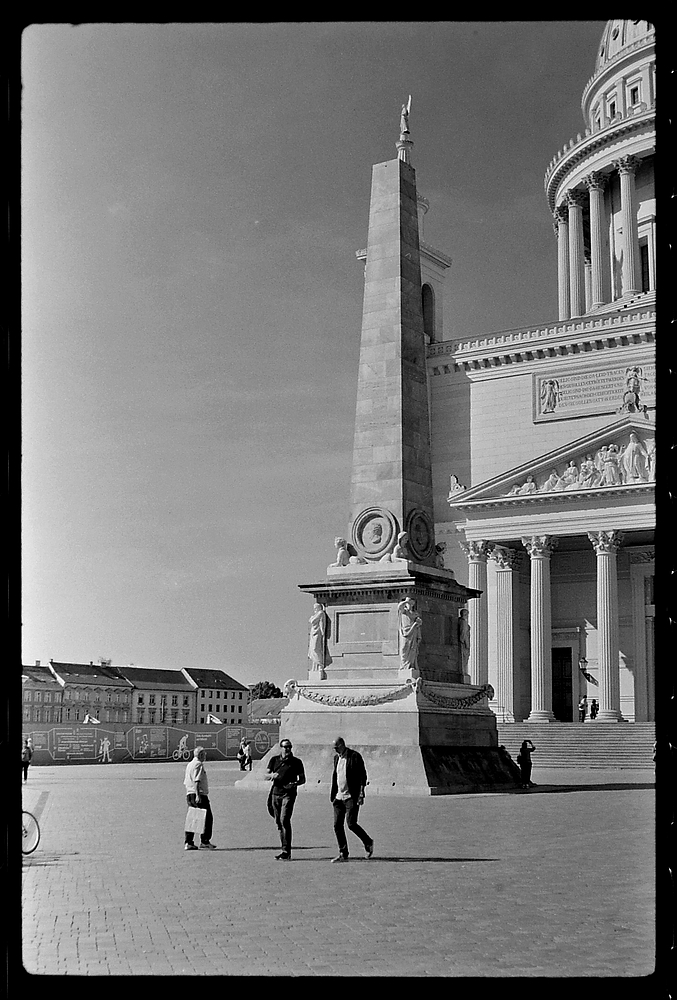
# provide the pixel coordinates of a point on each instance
(425, 249)
(555, 499)
(577, 150)
(567, 337)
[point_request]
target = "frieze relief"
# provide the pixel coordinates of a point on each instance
(629, 461)
(624, 389)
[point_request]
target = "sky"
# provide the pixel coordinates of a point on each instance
(192, 199)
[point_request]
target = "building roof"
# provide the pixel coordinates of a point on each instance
(619, 36)
(147, 678)
(38, 675)
(267, 709)
(88, 673)
(213, 679)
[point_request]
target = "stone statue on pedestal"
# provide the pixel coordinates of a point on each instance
(464, 638)
(404, 117)
(318, 653)
(409, 627)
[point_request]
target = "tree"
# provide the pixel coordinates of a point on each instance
(265, 689)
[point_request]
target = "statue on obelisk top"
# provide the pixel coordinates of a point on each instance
(404, 144)
(404, 117)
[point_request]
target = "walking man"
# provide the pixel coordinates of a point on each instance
(582, 709)
(197, 794)
(26, 754)
(286, 773)
(347, 795)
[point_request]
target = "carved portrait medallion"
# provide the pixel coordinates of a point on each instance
(421, 534)
(374, 532)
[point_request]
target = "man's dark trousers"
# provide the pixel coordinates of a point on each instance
(206, 834)
(283, 806)
(348, 809)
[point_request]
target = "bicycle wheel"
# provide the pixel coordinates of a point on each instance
(31, 832)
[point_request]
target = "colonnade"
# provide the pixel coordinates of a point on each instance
(582, 279)
(540, 549)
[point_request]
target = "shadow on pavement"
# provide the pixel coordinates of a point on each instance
(611, 786)
(419, 860)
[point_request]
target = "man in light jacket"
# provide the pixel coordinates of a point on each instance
(347, 794)
(197, 794)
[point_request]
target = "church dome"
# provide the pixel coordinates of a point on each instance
(618, 36)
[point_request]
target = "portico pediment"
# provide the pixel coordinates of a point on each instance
(619, 458)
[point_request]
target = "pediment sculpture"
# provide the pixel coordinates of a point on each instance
(610, 465)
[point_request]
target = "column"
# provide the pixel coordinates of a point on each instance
(588, 282)
(478, 663)
(596, 183)
(630, 276)
(576, 275)
(561, 226)
(507, 562)
(540, 548)
(606, 544)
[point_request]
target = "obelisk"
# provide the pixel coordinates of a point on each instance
(385, 669)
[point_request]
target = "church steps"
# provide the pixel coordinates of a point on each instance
(590, 744)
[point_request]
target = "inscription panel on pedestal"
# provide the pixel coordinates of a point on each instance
(362, 626)
(559, 393)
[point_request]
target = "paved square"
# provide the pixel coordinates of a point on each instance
(558, 881)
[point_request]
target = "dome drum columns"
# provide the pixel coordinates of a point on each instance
(571, 258)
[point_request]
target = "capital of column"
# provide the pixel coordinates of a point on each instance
(575, 199)
(595, 181)
(561, 216)
(540, 546)
(626, 164)
(606, 541)
(477, 551)
(506, 558)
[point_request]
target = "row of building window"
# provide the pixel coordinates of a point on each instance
(212, 708)
(612, 100)
(58, 713)
(75, 695)
(226, 722)
(216, 695)
(163, 699)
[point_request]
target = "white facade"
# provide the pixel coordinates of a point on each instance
(543, 439)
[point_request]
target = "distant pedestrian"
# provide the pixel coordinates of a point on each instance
(582, 709)
(26, 754)
(286, 773)
(244, 754)
(524, 761)
(594, 709)
(347, 795)
(197, 795)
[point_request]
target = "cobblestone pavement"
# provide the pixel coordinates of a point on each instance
(558, 881)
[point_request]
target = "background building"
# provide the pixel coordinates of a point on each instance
(92, 689)
(160, 696)
(42, 695)
(218, 694)
(543, 438)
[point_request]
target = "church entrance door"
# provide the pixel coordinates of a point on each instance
(562, 694)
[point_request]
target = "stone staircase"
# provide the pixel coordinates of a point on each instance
(588, 744)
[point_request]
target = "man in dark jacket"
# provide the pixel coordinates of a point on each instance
(347, 794)
(286, 773)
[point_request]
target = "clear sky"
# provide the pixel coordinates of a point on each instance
(192, 199)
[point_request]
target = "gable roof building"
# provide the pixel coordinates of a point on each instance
(217, 695)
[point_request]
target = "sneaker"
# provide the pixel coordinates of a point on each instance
(208, 846)
(369, 848)
(283, 857)
(189, 847)
(339, 857)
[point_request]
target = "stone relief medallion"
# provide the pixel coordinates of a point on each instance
(374, 532)
(421, 535)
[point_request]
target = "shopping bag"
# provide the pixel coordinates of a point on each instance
(195, 820)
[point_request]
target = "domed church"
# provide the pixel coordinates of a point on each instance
(543, 438)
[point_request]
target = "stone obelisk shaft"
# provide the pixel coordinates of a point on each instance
(391, 458)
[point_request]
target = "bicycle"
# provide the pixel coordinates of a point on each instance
(182, 754)
(31, 832)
